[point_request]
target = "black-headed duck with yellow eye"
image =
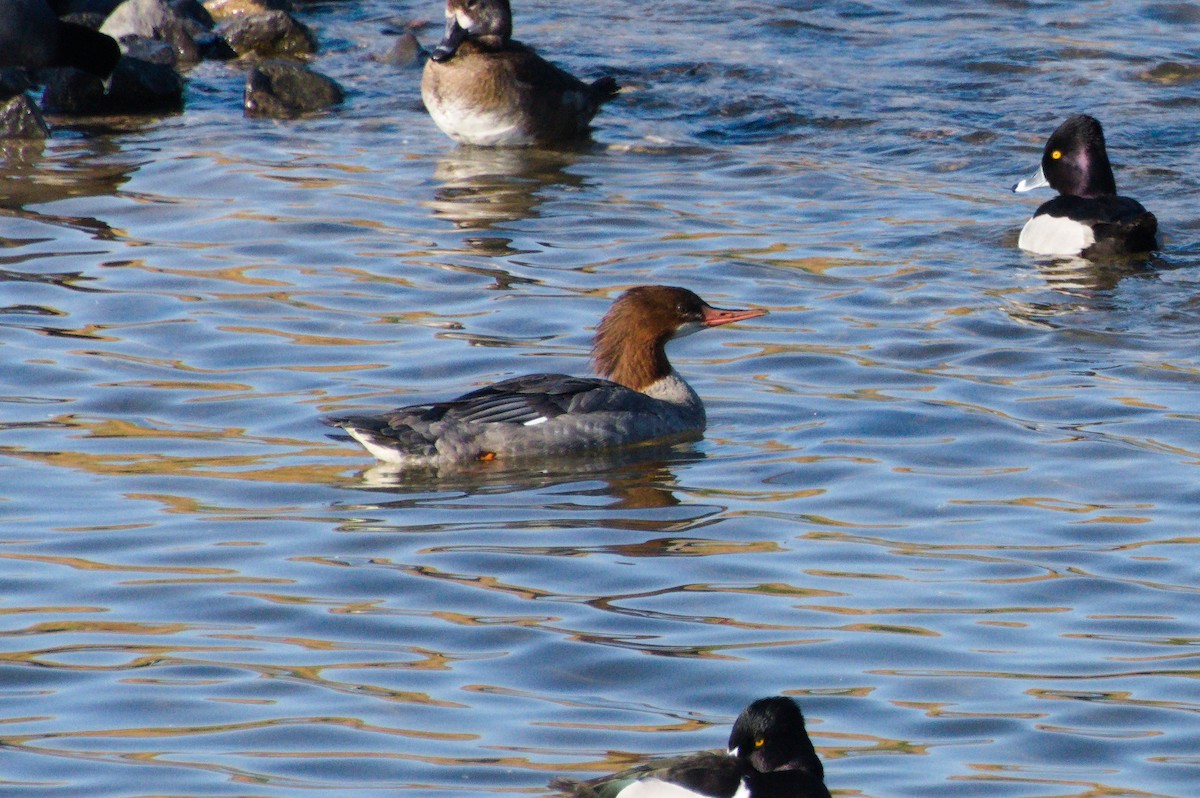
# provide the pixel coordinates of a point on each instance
(1087, 217)
(769, 756)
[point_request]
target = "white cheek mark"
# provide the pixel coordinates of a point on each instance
(687, 328)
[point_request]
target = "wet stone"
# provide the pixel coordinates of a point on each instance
(151, 50)
(194, 12)
(152, 19)
(222, 10)
(269, 35)
(20, 119)
(137, 87)
(283, 89)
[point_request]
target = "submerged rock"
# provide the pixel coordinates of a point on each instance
(284, 89)
(20, 119)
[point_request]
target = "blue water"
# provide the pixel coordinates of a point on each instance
(945, 499)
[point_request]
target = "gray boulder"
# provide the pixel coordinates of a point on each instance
(152, 19)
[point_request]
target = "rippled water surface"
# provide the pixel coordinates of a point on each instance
(946, 497)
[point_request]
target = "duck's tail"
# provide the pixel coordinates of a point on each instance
(604, 89)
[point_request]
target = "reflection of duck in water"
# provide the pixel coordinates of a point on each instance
(482, 87)
(769, 756)
(486, 186)
(630, 478)
(33, 37)
(1088, 218)
(639, 397)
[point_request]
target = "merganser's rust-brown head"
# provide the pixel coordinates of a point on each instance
(630, 345)
(488, 22)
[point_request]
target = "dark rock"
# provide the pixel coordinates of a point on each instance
(102, 8)
(33, 37)
(282, 89)
(20, 119)
(193, 11)
(269, 35)
(214, 47)
(152, 19)
(13, 80)
(137, 87)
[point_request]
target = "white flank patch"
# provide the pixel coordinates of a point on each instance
(1055, 235)
(533, 422)
(657, 788)
(384, 453)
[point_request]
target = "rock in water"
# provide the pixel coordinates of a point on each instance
(284, 89)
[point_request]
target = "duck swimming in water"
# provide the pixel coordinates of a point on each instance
(770, 756)
(1088, 217)
(638, 396)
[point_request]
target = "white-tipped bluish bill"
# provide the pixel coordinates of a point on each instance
(1035, 180)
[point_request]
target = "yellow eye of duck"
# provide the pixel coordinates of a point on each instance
(1056, 155)
(759, 742)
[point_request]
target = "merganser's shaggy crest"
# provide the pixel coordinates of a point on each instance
(770, 756)
(1087, 217)
(640, 398)
(482, 87)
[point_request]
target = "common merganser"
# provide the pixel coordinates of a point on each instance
(638, 398)
(482, 87)
(770, 756)
(1088, 218)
